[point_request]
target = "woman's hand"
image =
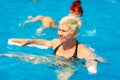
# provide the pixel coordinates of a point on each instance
(21, 42)
(92, 67)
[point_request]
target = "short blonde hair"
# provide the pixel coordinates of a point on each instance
(72, 22)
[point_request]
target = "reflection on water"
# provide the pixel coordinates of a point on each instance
(63, 67)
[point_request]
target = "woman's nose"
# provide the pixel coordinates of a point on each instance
(59, 32)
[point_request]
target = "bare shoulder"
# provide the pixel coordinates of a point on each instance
(55, 43)
(48, 18)
(84, 51)
(82, 46)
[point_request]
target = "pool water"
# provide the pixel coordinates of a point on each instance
(100, 30)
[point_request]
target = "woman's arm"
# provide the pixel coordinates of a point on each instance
(37, 18)
(92, 60)
(91, 63)
(89, 56)
(23, 42)
(91, 66)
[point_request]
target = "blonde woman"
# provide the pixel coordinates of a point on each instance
(66, 44)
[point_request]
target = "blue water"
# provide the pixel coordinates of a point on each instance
(100, 30)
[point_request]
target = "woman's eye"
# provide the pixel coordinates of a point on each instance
(59, 29)
(63, 30)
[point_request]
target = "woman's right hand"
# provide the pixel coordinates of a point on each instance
(21, 42)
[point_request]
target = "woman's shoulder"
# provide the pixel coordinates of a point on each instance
(47, 18)
(55, 43)
(82, 46)
(83, 51)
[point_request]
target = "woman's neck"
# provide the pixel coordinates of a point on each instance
(69, 44)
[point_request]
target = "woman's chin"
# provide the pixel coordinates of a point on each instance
(61, 40)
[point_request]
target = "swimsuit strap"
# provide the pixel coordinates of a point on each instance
(75, 53)
(55, 50)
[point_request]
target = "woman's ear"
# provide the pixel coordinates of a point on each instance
(75, 34)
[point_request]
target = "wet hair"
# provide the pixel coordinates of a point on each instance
(72, 22)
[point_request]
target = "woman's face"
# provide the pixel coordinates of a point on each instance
(65, 33)
(74, 13)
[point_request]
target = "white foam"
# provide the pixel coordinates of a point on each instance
(91, 32)
(92, 70)
(30, 45)
(38, 46)
(13, 43)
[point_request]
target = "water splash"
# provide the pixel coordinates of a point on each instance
(91, 32)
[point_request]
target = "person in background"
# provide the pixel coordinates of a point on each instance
(67, 46)
(47, 22)
(76, 9)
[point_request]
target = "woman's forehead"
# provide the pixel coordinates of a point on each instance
(64, 26)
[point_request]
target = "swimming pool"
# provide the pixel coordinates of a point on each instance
(99, 31)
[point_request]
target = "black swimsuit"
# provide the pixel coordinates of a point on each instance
(72, 59)
(75, 53)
